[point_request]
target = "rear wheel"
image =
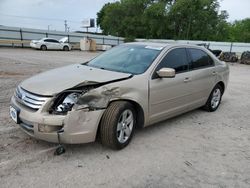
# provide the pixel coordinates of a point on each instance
(65, 48)
(214, 99)
(43, 48)
(117, 125)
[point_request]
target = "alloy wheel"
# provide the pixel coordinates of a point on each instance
(125, 126)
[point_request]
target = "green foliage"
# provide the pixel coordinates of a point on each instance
(129, 39)
(194, 19)
(240, 31)
(170, 19)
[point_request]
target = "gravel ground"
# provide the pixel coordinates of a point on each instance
(197, 149)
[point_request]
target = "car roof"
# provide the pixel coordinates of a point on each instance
(48, 38)
(165, 45)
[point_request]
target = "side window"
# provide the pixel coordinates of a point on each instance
(51, 40)
(200, 59)
(176, 59)
(54, 41)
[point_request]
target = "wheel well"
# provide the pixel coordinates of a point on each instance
(222, 85)
(139, 116)
(139, 112)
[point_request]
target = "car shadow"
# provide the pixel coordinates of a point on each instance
(96, 148)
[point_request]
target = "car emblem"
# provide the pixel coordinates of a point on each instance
(23, 96)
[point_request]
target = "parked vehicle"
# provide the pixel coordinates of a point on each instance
(132, 85)
(51, 44)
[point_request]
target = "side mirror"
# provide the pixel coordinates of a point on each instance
(166, 73)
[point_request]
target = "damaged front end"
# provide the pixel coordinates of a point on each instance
(65, 101)
(95, 96)
(82, 108)
(71, 116)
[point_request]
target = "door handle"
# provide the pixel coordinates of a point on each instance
(214, 73)
(187, 80)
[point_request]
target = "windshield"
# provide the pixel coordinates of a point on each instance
(133, 59)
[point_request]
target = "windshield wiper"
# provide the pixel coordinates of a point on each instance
(95, 66)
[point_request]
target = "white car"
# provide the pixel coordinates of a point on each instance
(51, 44)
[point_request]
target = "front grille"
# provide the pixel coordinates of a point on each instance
(29, 99)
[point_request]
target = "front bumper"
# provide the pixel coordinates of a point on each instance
(36, 46)
(79, 126)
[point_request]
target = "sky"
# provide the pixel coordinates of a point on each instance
(50, 14)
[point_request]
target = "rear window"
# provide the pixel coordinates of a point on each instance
(200, 59)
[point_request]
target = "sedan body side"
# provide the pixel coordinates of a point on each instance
(189, 89)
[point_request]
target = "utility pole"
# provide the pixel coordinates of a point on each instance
(68, 29)
(65, 25)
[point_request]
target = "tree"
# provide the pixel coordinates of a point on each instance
(172, 19)
(128, 18)
(240, 31)
(195, 19)
(155, 21)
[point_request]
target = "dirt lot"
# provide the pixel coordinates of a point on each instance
(197, 149)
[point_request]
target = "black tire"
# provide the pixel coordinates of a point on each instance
(65, 48)
(109, 124)
(43, 47)
(209, 106)
(234, 59)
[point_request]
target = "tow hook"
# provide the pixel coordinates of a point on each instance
(60, 148)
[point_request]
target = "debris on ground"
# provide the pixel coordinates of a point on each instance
(229, 57)
(245, 58)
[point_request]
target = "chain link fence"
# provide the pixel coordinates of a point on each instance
(22, 36)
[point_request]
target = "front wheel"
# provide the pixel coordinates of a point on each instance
(65, 48)
(43, 48)
(117, 125)
(214, 99)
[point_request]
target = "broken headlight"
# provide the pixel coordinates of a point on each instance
(67, 103)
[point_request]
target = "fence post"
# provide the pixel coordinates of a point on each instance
(68, 39)
(118, 41)
(46, 34)
(21, 36)
(103, 40)
(231, 47)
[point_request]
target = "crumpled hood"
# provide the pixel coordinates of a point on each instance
(60, 79)
(64, 40)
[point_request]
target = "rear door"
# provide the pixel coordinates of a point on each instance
(48, 44)
(170, 96)
(204, 74)
(55, 44)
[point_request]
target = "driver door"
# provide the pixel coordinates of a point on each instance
(170, 96)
